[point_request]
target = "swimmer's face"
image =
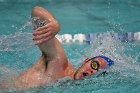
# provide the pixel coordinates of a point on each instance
(87, 70)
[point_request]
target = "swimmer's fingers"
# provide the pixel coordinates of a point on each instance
(46, 32)
(42, 32)
(43, 27)
(42, 36)
(43, 40)
(53, 24)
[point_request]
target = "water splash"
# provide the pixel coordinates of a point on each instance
(28, 23)
(15, 42)
(125, 71)
(21, 40)
(5, 71)
(125, 68)
(34, 23)
(105, 44)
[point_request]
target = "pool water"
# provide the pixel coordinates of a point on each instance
(102, 17)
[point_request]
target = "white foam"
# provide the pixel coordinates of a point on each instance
(137, 36)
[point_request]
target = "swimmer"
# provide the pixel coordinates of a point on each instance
(53, 64)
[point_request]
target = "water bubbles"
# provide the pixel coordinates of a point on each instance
(13, 26)
(125, 66)
(37, 22)
(15, 42)
(109, 4)
(34, 23)
(28, 23)
(20, 40)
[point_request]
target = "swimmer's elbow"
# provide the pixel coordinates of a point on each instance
(36, 9)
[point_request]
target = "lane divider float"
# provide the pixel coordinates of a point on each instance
(88, 38)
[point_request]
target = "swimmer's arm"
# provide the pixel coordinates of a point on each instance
(43, 13)
(48, 31)
(45, 36)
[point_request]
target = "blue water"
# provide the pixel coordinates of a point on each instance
(75, 16)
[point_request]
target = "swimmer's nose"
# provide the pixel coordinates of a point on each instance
(89, 72)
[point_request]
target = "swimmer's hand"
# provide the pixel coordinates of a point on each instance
(46, 32)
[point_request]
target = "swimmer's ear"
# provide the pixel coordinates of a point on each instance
(86, 60)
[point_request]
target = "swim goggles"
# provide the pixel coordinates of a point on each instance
(94, 64)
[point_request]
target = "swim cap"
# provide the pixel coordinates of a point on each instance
(108, 60)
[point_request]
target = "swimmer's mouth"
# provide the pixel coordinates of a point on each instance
(85, 74)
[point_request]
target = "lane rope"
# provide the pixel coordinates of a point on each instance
(88, 38)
